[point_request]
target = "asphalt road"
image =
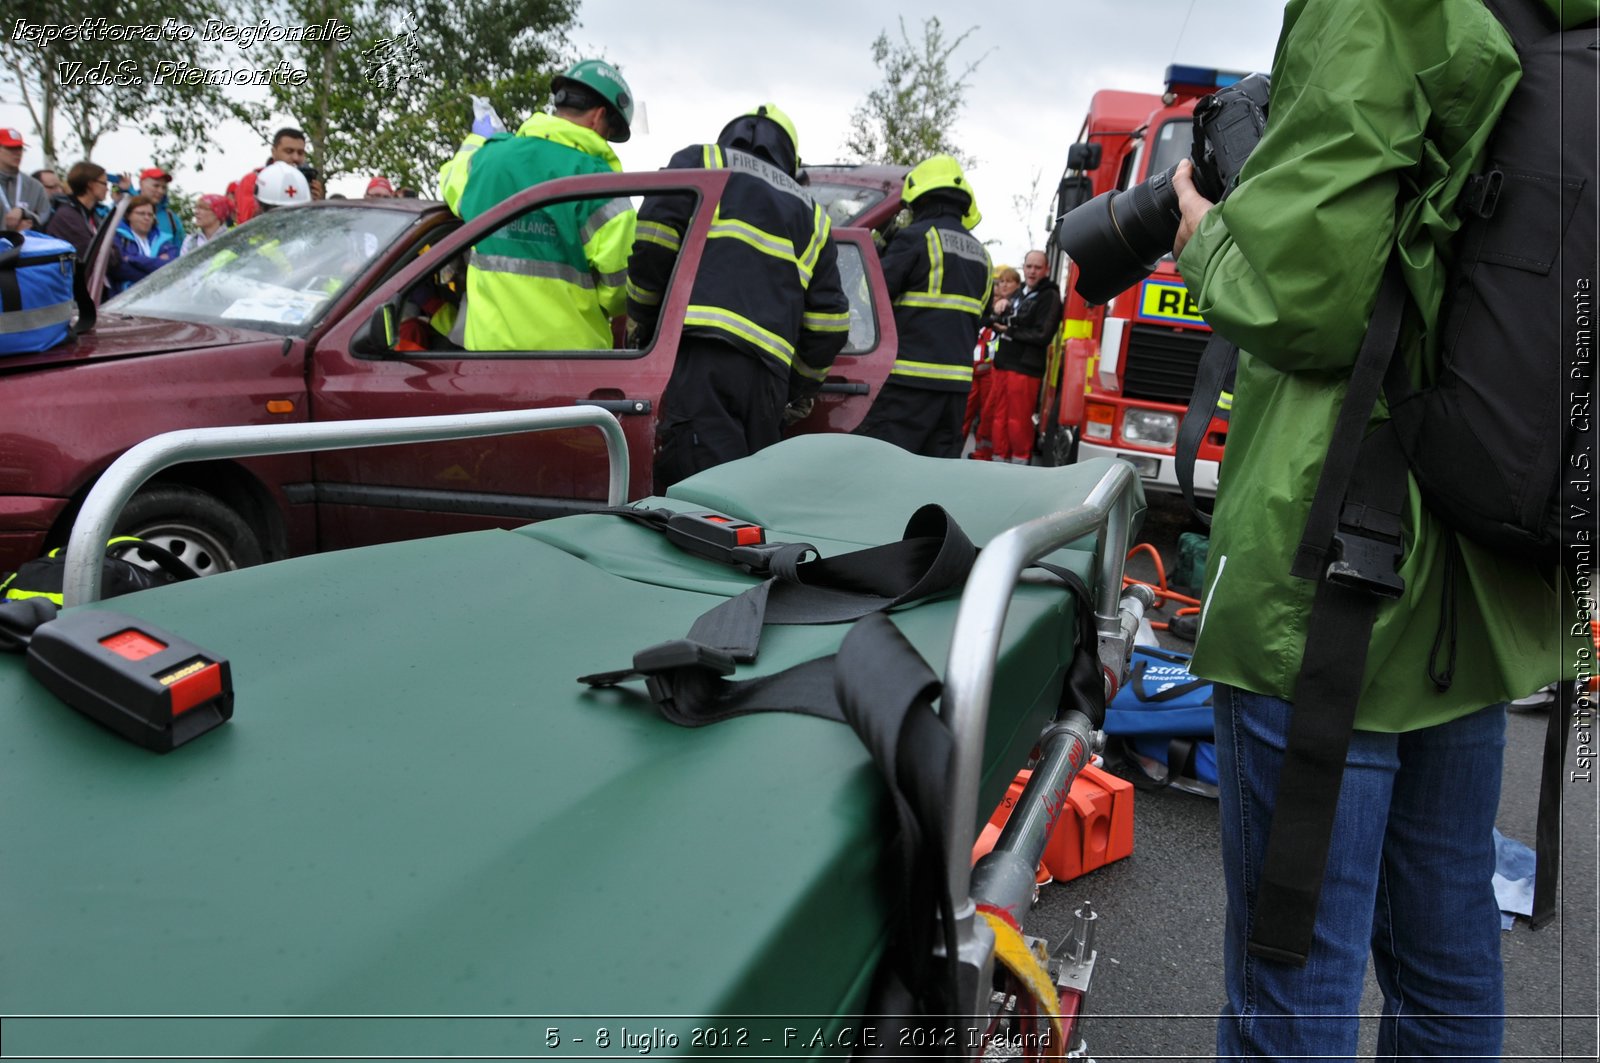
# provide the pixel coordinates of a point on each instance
(1158, 978)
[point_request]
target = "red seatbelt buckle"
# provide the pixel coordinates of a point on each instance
(713, 535)
(146, 684)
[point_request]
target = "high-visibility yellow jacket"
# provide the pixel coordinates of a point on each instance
(768, 281)
(552, 279)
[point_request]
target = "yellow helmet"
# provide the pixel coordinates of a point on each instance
(941, 171)
(771, 110)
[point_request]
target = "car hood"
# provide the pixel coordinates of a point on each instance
(124, 335)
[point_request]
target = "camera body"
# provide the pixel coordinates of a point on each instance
(1228, 125)
(1117, 238)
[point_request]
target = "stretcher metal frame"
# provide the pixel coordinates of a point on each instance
(1004, 878)
(123, 478)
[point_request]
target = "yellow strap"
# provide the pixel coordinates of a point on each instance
(1014, 954)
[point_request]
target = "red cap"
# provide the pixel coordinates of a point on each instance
(10, 138)
(154, 173)
(219, 206)
(380, 184)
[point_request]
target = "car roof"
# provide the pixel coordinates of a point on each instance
(408, 204)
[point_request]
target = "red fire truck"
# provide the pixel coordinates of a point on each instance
(1120, 378)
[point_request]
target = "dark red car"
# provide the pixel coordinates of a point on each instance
(283, 320)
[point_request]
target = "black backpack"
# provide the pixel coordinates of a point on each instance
(1502, 442)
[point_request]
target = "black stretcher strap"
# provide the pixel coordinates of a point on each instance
(877, 683)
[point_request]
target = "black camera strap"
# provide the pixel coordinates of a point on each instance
(1213, 397)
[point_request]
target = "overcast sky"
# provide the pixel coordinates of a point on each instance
(696, 63)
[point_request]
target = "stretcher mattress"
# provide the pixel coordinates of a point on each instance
(417, 811)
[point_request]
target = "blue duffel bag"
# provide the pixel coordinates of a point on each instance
(1163, 720)
(36, 296)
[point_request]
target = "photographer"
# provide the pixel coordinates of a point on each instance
(1380, 111)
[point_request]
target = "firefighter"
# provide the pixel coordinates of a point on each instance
(939, 277)
(766, 315)
(553, 278)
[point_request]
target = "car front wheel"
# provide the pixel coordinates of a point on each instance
(198, 528)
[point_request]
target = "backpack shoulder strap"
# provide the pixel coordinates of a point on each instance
(1525, 20)
(1351, 547)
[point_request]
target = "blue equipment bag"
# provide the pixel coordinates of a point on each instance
(1163, 716)
(36, 291)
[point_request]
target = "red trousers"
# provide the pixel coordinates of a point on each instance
(1013, 398)
(977, 400)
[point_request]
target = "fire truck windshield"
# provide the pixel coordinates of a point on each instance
(1172, 143)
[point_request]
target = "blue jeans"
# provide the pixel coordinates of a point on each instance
(1408, 879)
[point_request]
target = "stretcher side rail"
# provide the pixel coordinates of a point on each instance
(1004, 879)
(124, 477)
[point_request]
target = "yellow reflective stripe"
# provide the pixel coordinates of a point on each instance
(1225, 401)
(531, 267)
(1077, 328)
(820, 228)
(811, 372)
(932, 370)
(606, 213)
(642, 296)
(966, 304)
(745, 233)
(710, 157)
(17, 596)
(822, 322)
(935, 262)
(716, 317)
(656, 233)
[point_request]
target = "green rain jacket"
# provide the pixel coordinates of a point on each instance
(552, 279)
(1381, 109)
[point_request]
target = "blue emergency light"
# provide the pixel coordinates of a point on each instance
(1200, 79)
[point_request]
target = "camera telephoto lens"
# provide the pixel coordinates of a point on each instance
(1117, 238)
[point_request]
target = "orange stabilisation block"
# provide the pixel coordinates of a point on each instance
(1094, 828)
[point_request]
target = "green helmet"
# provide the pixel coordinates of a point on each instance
(603, 79)
(941, 171)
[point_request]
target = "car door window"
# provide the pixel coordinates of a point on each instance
(552, 281)
(863, 319)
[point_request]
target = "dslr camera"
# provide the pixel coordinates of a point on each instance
(1117, 238)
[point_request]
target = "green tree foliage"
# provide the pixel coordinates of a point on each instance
(911, 114)
(394, 98)
(92, 80)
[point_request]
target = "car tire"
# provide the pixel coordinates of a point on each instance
(201, 530)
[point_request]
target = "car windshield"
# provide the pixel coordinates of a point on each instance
(844, 203)
(278, 273)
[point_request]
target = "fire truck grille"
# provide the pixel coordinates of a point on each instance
(1162, 363)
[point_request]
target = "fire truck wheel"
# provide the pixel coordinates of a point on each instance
(201, 530)
(1060, 447)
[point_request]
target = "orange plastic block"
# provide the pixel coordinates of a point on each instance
(1095, 826)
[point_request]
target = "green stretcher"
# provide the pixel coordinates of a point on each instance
(420, 837)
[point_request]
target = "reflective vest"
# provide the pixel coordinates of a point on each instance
(453, 174)
(768, 281)
(552, 279)
(939, 277)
